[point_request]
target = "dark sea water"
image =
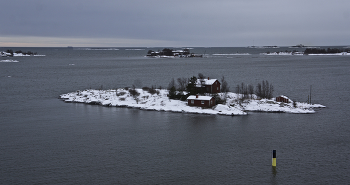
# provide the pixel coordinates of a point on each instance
(46, 141)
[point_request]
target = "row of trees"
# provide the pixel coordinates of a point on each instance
(324, 51)
(286, 51)
(188, 84)
(263, 90)
(20, 51)
(176, 88)
(184, 84)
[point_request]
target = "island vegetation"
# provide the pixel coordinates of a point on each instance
(11, 53)
(312, 51)
(187, 86)
(325, 51)
(166, 52)
(294, 52)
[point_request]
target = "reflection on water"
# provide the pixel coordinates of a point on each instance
(273, 176)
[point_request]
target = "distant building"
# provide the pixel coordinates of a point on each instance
(282, 99)
(201, 101)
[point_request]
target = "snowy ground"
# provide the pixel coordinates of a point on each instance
(4, 54)
(160, 102)
(283, 53)
(26, 55)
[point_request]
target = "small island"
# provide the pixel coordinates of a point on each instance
(169, 53)
(198, 95)
(312, 51)
(286, 52)
(299, 46)
(10, 53)
(328, 51)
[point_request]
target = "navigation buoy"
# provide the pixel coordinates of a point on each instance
(274, 158)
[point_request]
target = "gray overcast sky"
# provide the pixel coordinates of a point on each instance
(207, 23)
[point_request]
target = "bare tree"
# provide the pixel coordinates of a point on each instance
(270, 95)
(265, 86)
(201, 76)
(182, 83)
(264, 90)
(224, 87)
(238, 89)
(258, 90)
(171, 84)
(244, 90)
(250, 91)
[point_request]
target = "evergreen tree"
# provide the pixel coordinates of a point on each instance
(172, 93)
(191, 86)
(167, 52)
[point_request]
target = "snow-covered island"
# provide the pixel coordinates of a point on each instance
(283, 53)
(8, 60)
(19, 53)
(312, 51)
(158, 100)
(169, 53)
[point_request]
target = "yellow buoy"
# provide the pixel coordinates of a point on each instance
(274, 158)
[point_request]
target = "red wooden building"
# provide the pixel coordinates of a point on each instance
(201, 101)
(282, 99)
(209, 85)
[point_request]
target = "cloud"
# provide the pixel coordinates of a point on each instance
(30, 41)
(190, 23)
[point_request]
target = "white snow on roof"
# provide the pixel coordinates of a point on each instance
(199, 98)
(285, 97)
(206, 81)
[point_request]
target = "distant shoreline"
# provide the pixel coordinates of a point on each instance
(19, 53)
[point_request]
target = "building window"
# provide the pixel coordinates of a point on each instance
(192, 101)
(202, 102)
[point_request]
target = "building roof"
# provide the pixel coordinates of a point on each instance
(199, 98)
(205, 82)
